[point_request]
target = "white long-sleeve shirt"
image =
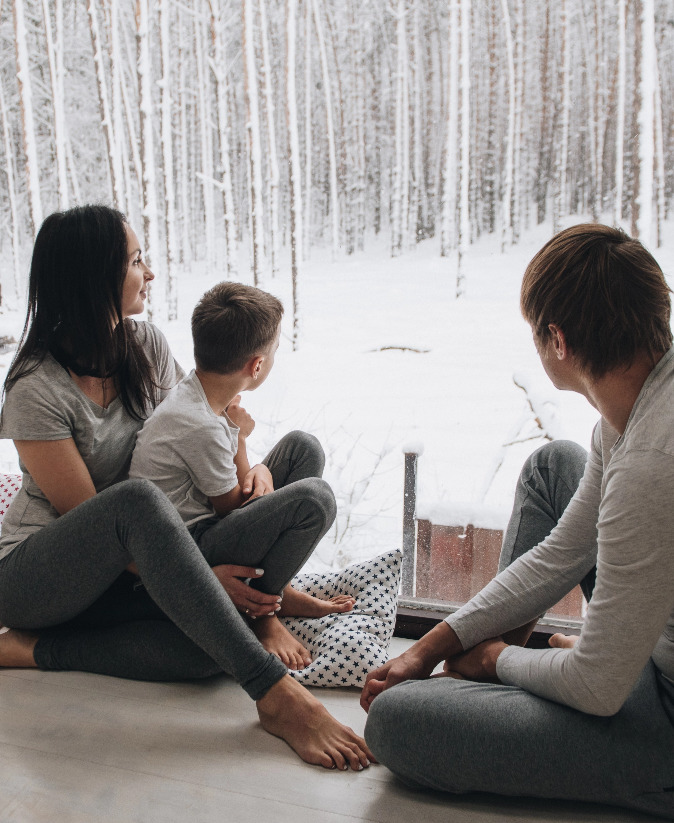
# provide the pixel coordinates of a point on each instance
(621, 519)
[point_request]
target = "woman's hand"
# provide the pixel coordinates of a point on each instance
(240, 417)
(257, 482)
(247, 600)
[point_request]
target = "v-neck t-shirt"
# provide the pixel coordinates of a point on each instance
(47, 404)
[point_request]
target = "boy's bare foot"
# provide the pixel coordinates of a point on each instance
(16, 649)
(277, 639)
(301, 604)
(292, 713)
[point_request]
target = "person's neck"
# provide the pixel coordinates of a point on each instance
(220, 389)
(615, 394)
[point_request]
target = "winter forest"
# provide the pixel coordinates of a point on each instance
(386, 166)
(216, 124)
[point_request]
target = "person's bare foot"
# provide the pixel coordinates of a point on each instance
(301, 604)
(562, 641)
(277, 639)
(16, 649)
(292, 713)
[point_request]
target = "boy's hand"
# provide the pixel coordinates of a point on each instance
(240, 417)
(250, 601)
(257, 482)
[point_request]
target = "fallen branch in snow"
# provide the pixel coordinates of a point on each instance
(544, 420)
(401, 348)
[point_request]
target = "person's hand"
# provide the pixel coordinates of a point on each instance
(409, 666)
(478, 663)
(250, 601)
(257, 482)
(240, 417)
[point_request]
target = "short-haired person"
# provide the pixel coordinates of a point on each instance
(258, 523)
(592, 719)
(85, 377)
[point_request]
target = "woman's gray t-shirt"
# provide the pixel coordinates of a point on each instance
(47, 404)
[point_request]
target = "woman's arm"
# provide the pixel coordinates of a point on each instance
(58, 469)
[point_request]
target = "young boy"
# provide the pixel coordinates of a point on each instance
(258, 523)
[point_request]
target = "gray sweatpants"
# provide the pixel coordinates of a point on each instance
(68, 582)
(461, 736)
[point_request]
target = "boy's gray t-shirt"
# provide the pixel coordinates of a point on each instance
(188, 451)
(47, 404)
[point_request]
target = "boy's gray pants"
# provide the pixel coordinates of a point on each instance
(460, 736)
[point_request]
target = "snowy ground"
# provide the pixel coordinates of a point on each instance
(455, 395)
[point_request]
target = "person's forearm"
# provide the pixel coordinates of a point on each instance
(439, 644)
(241, 461)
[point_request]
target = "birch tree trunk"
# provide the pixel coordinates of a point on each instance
(114, 165)
(464, 216)
(506, 224)
(11, 196)
(170, 233)
(642, 218)
(308, 132)
(55, 57)
(27, 117)
(330, 130)
(254, 142)
(620, 116)
(207, 175)
(449, 233)
(218, 30)
(117, 105)
(294, 177)
(149, 190)
(659, 157)
(563, 153)
(401, 166)
(273, 170)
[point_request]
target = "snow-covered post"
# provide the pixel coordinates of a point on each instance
(412, 453)
(295, 179)
(28, 119)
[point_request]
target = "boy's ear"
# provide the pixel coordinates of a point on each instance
(255, 366)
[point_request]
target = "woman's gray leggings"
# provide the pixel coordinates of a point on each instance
(68, 582)
(459, 736)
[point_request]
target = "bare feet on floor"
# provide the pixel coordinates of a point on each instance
(16, 649)
(277, 639)
(292, 713)
(301, 604)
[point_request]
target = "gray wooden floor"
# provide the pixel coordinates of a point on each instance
(79, 747)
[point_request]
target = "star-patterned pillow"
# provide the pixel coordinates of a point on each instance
(345, 647)
(9, 486)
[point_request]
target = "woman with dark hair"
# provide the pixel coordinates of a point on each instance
(85, 378)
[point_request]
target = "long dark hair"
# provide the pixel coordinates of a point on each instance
(75, 306)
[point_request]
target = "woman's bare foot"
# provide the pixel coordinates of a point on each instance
(562, 641)
(292, 713)
(301, 604)
(277, 639)
(16, 649)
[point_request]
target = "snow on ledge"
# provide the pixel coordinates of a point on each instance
(463, 514)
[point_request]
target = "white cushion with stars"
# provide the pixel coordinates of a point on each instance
(9, 486)
(345, 647)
